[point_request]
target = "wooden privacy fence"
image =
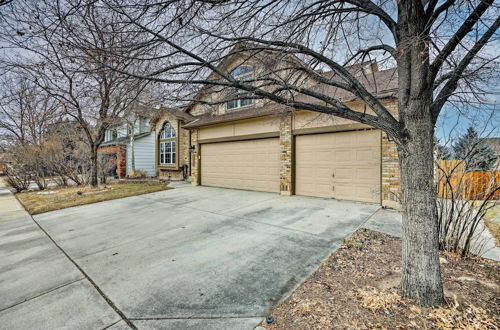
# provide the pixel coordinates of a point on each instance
(453, 181)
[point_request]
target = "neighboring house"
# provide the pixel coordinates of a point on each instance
(494, 144)
(4, 162)
(264, 146)
(118, 145)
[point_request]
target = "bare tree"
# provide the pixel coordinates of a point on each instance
(437, 46)
(63, 47)
(25, 110)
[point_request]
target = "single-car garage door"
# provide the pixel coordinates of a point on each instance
(343, 165)
(252, 164)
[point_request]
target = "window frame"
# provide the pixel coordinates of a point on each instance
(163, 153)
(244, 76)
(167, 141)
(110, 135)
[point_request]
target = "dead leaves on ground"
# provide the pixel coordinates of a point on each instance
(450, 317)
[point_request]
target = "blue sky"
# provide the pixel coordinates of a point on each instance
(484, 117)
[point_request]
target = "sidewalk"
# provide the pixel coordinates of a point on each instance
(40, 287)
(10, 209)
(389, 222)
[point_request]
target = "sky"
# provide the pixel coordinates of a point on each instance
(485, 118)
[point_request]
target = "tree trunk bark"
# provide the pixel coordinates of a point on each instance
(132, 150)
(421, 273)
(94, 178)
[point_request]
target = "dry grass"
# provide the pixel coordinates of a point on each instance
(492, 221)
(56, 199)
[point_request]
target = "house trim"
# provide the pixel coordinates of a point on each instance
(240, 138)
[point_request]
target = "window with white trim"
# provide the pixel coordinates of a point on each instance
(109, 135)
(167, 145)
(167, 153)
(241, 73)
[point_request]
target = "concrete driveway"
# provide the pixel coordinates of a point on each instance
(186, 258)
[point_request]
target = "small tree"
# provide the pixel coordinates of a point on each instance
(474, 151)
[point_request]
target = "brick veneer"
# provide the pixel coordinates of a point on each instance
(195, 162)
(121, 159)
(286, 155)
(391, 176)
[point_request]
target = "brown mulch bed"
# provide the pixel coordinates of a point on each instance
(356, 288)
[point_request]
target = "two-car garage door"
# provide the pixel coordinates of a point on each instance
(251, 164)
(342, 165)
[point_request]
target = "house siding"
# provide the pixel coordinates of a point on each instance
(144, 155)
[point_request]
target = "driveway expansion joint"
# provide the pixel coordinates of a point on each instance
(88, 278)
(42, 294)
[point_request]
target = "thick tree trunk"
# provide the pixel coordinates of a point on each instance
(421, 274)
(94, 178)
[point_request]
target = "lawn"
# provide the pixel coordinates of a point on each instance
(60, 198)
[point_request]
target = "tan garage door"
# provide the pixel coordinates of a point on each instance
(343, 165)
(252, 164)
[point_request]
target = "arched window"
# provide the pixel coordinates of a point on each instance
(167, 145)
(167, 131)
(238, 100)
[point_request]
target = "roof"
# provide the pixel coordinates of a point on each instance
(376, 82)
(379, 83)
(268, 109)
(176, 112)
(124, 139)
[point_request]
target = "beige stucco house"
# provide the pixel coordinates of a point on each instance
(260, 145)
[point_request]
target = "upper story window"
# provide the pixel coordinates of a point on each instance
(167, 145)
(242, 73)
(167, 131)
(110, 135)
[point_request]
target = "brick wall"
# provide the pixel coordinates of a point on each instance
(121, 159)
(391, 176)
(286, 149)
(195, 162)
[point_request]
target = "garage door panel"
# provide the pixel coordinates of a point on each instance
(366, 155)
(252, 165)
(367, 175)
(342, 165)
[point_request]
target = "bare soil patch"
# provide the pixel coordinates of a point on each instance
(357, 288)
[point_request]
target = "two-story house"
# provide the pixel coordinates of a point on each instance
(255, 144)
